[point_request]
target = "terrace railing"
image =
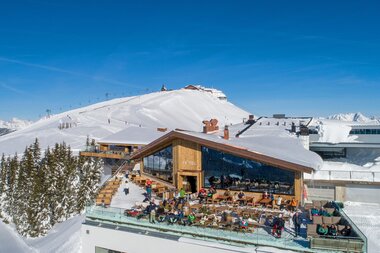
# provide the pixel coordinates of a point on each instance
(260, 236)
(353, 226)
(345, 175)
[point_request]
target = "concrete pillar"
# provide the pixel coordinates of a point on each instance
(340, 193)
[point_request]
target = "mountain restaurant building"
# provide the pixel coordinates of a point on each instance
(251, 157)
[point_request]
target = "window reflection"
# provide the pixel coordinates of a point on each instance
(228, 171)
(160, 164)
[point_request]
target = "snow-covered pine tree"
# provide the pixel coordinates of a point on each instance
(3, 173)
(8, 202)
(22, 192)
(84, 182)
(71, 183)
(37, 211)
(96, 166)
(3, 179)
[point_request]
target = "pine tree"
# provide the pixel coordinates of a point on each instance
(3, 174)
(22, 192)
(9, 198)
(3, 178)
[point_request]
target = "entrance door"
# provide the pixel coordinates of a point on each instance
(190, 183)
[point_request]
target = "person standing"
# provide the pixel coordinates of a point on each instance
(126, 187)
(297, 221)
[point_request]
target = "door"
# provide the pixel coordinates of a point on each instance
(189, 183)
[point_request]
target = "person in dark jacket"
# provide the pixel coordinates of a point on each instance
(297, 221)
(346, 231)
(332, 230)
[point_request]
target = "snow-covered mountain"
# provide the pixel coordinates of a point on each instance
(353, 117)
(184, 109)
(15, 124)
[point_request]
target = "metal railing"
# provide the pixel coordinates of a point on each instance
(260, 236)
(345, 175)
(353, 226)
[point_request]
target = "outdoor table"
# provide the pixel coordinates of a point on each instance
(265, 201)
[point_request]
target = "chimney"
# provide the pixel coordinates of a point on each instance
(251, 119)
(162, 129)
(210, 126)
(226, 135)
(206, 127)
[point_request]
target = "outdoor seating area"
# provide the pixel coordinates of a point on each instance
(329, 230)
(157, 187)
(106, 193)
(212, 209)
(224, 211)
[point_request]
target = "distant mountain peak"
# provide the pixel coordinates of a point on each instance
(353, 117)
(15, 124)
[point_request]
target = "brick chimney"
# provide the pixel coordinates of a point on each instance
(226, 134)
(206, 127)
(162, 129)
(210, 126)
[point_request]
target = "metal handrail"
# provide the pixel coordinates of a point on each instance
(372, 174)
(353, 225)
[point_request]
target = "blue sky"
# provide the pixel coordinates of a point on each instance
(295, 57)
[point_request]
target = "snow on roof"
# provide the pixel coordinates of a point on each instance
(133, 135)
(338, 131)
(270, 140)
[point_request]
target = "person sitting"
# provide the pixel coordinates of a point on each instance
(202, 195)
(314, 211)
(211, 192)
(227, 193)
(191, 218)
(203, 220)
(332, 230)
(346, 231)
(293, 205)
(323, 230)
(241, 197)
(243, 224)
(323, 212)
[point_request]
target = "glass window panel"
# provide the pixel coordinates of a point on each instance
(228, 171)
(160, 164)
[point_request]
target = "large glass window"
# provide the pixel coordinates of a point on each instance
(228, 171)
(365, 131)
(160, 164)
(330, 153)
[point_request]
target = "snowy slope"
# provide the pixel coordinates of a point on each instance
(172, 109)
(63, 238)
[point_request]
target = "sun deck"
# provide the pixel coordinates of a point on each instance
(258, 232)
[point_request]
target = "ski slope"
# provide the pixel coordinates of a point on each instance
(184, 109)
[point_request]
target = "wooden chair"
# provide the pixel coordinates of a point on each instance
(317, 220)
(312, 230)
